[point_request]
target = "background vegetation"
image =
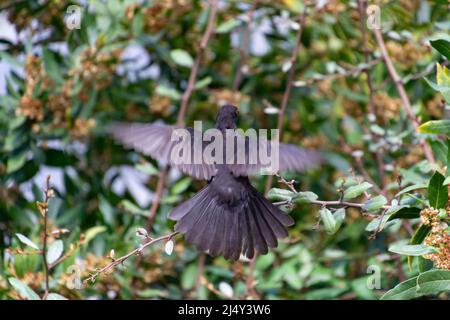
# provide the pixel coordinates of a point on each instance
(372, 99)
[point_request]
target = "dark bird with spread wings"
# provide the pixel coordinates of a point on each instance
(229, 216)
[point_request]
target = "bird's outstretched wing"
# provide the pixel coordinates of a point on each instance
(155, 140)
(288, 158)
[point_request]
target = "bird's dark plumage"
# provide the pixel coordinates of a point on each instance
(228, 217)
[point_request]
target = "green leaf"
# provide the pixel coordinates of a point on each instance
(403, 291)
(91, 233)
(441, 43)
(27, 241)
(380, 221)
(54, 251)
(444, 90)
(424, 264)
(305, 197)
(51, 66)
(405, 213)
(357, 190)
(375, 204)
(227, 26)
(132, 208)
(332, 221)
(168, 92)
(106, 209)
(447, 172)
(182, 58)
(411, 188)
(411, 250)
(55, 296)
(435, 127)
(189, 276)
(24, 290)
(147, 168)
(433, 282)
(418, 237)
(437, 192)
(278, 194)
(202, 83)
(16, 162)
(181, 185)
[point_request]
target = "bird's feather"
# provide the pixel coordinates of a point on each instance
(242, 223)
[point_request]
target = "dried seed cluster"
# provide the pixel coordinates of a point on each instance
(36, 81)
(438, 238)
(160, 14)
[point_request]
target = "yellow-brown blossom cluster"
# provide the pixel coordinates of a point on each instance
(414, 155)
(386, 107)
(36, 81)
(435, 106)
(439, 238)
(223, 96)
(160, 14)
(334, 7)
(160, 105)
(81, 128)
(406, 53)
(96, 68)
(21, 16)
(58, 104)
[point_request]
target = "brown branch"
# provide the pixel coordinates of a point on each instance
(351, 72)
(157, 197)
(250, 282)
(43, 208)
(362, 5)
(184, 103)
(121, 260)
(321, 203)
(243, 48)
(201, 272)
(401, 91)
(290, 81)
(211, 288)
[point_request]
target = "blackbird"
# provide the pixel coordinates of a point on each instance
(229, 216)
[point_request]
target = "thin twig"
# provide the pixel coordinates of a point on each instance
(402, 92)
(201, 272)
(244, 47)
(44, 211)
(211, 288)
(350, 72)
(122, 259)
(184, 103)
(250, 282)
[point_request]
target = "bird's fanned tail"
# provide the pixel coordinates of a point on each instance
(221, 228)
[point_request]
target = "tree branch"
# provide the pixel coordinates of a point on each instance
(122, 259)
(43, 208)
(401, 91)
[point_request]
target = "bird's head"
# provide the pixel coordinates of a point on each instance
(227, 117)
